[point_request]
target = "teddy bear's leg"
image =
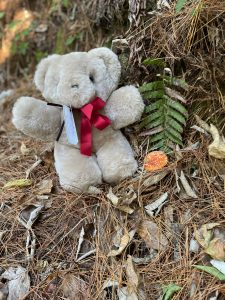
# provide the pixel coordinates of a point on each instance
(76, 171)
(116, 159)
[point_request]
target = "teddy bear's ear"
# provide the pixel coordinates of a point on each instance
(41, 70)
(111, 61)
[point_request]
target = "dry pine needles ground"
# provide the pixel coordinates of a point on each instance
(72, 226)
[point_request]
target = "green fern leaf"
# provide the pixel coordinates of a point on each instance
(157, 137)
(155, 123)
(174, 132)
(180, 4)
(154, 62)
(177, 106)
(166, 149)
(176, 115)
(154, 94)
(173, 138)
(174, 124)
(153, 106)
(176, 82)
(158, 145)
(152, 117)
(152, 86)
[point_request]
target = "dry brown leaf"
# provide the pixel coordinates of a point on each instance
(217, 147)
(132, 276)
(112, 197)
(150, 233)
(204, 234)
(18, 282)
(74, 288)
(24, 150)
(154, 179)
(216, 249)
(125, 239)
(45, 187)
(125, 209)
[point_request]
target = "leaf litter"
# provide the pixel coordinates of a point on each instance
(58, 226)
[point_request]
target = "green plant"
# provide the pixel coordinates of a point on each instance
(72, 38)
(165, 114)
(2, 14)
(180, 5)
(20, 45)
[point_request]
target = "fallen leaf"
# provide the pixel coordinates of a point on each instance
(204, 234)
(124, 294)
(81, 239)
(175, 94)
(194, 246)
(24, 150)
(28, 171)
(132, 276)
(150, 233)
(169, 290)
(189, 191)
(125, 209)
(112, 197)
(125, 239)
(216, 249)
(74, 288)
(155, 160)
(3, 291)
(217, 147)
(219, 265)
(27, 217)
(17, 183)
(154, 208)
(18, 282)
(154, 179)
(146, 259)
(45, 187)
(211, 270)
(53, 285)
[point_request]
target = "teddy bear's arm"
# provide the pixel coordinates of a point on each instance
(124, 107)
(36, 119)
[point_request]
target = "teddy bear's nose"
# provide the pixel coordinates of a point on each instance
(75, 86)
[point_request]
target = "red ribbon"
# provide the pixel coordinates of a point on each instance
(91, 117)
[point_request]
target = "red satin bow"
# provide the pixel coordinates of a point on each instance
(91, 116)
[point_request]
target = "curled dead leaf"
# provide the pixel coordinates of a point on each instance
(151, 234)
(125, 239)
(216, 249)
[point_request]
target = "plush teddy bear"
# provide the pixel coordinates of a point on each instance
(82, 84)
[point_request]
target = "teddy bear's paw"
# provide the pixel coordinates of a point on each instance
(117, 172)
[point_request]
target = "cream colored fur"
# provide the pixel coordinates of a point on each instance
(68, 80)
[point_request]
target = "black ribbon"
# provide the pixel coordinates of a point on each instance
(63, 123)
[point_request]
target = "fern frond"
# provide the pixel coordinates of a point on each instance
(152, 86)
(153, 106)
(174, 124)
(177, 116)
(154, 94)
(157, 137)
(155, 123)
(177, 106)
(165, 109)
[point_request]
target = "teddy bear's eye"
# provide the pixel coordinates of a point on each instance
(74, 86)
(91, 77)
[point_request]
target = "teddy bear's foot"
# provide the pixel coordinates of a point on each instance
(76, 171)
(116, 159)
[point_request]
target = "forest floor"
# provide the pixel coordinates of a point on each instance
(108, 245)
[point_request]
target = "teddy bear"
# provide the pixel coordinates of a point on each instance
(84, 113)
